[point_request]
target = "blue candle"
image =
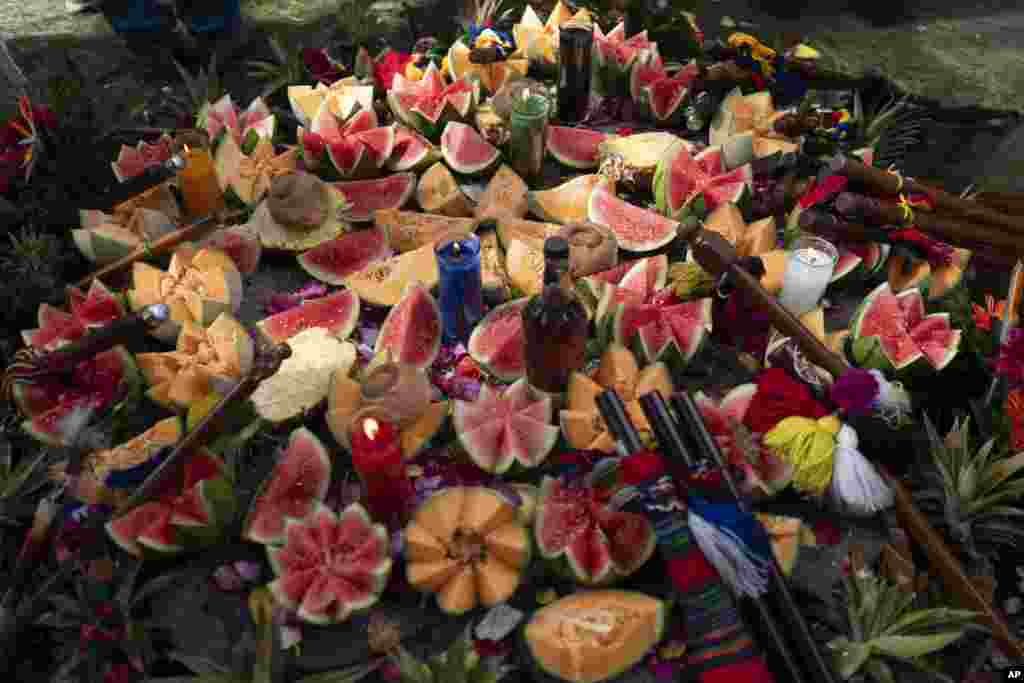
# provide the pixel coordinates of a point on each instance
(461, 291)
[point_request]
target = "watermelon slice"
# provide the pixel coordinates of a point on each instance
(496, 344)
(614, 55)
(892, 332)
(367, 196)
(660, 95)
(682, 179)
(638, 282)
(636, 229)
(466, 151)
(574, 147)
(338, 313)
(133, 161)
(334, 260)
(246, 127)
(764, 472)
(412, 151)
(412, 331)
(500, 430)
(576, 528)
(241, 244)
(356, 148)
(298, 482)
(428, 104)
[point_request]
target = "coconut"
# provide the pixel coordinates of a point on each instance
(299, 212)
(591, 248)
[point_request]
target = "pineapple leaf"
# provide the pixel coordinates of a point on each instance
(909, 647)
(847, 656)
(457, 658)
(880, 670)
(1001, 471)
(410, 669)
(924, 620)
(1007, 494)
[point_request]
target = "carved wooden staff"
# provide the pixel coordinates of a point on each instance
(943, 227)
(161, 246)
(886, 183)
(718, 257)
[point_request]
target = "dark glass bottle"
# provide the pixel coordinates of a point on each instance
(554, 325)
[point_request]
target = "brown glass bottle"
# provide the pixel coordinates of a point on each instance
(554, 325)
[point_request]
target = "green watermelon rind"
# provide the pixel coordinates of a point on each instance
(409, 180)
(601, 217)
(478, 335)
(562, 155)
(131, 380)
(427, 356)
(320, 272)
(674, 115)
(319, 492)
(462, 168)
(341, 329)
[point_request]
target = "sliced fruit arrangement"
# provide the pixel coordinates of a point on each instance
(638, 155)
(354, 148)
(858, 262)
(636, 229)
(688, 185)
(238, 242)
(934, 282)
(574, 147)
(892, 331)
(99, 382)
(505, 195)
(581, 421)
(204, 360)
(466, 546)
(104, 238)
(298, 482)
(182, 518)
(411, 334)
(133, 161)
(300, 212)
(539, 40)
(346, 98)
(330, 566)
(753, 116)
(505, 428)
(496, 343)
(412, 151)
(759, 239)
(398, 393)
(428, 104)
(334, 260)
(247, 177)
(491, 76)
(466, 151)
(596, 635)
(127, 464)
(614, 55)
(222, 119)
(439, 193)
(582, 535)
(337, 313)
(661, 95)
(566, 203)
(198, 285)
(366, 196)
(764, 472)
(409, 230)
(303, 379)
(382, 283)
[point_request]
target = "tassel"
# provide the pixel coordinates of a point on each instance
(734, 543)
(893, 402)
(808, 446)
(857, 488)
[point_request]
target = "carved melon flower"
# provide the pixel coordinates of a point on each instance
(249, 176)
(753, 114)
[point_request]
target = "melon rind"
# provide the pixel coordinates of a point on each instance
(397, 348)
(289, 457)
(352, 189)
(563, 155)
(320, 272)
(601, 208)
(475, 346)
(340, 326)
(451, 156)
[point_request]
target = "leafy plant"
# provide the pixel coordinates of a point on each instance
(458, 664)
(872, 123)
(286, 68)
(19, 481)
(883, 628)
(203, 88)
(972, 494)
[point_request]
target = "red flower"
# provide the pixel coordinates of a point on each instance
(984, 317)
(320, 65)
(624, 131)
(758, 81)
(388, 65)
(122, 672)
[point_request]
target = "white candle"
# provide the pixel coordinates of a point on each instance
(808, 272)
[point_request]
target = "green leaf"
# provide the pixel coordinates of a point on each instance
(1001, 471)
(205, 678)
(908, 647)
(930, 619)
(848, 656)
(455, 662)
(880, 670)
(410, 668)
(349, 675)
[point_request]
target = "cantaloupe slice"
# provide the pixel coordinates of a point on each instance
(566, 203)
(382, 282)
(524, 264)
(531, 232)
(408, 230)
(505, 195)
(484, 542)
(438, 192)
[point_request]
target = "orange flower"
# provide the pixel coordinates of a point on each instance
(983, 317)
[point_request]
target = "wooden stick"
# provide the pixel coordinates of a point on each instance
(161, 246)
(718, 257)
(891, 184)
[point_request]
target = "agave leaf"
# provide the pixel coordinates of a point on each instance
(880, 670)
(996, 532)
(848, 656)
(409, 667)
(1010, 493)
(349, 675)
(20, 474)
(930, 619)
(1001, 471)
(455, 662)
(878, 619)
(1005, 511)
(967, 482)
(909, 647)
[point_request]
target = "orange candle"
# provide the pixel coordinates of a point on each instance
(200, 189)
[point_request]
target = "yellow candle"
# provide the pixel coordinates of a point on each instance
(198, 183)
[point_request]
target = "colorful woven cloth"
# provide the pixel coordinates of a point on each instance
(719, 647)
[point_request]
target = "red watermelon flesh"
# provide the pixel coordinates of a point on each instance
(380, 142)
(346, 155)
(614, 274)
(689, 176)
(367, 196)
(411, 333)
(847, 262)
(337, 312)
(153, 518)
(639, 285)
(497, 341)
(345, 255)
(575, 147)
(685, 324)
(635, 228)
(134, 161)
(646, 73)
(934, 337)
(465, 150)
(409, 151)
(242, 246)
(666, 95)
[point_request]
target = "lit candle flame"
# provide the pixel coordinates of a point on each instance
(186, 149)
(370, 427)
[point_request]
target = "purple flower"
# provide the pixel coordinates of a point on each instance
(227, 579)
(855, 392)
(1010, 362)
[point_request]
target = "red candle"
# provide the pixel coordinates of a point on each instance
(377, 457)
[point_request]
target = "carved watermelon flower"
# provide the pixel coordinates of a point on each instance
(388, 65)
(222, 117)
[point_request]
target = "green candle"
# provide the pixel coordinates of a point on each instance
(527, 128)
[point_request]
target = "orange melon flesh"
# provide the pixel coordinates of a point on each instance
(566, 203)
(1013, 298)
(581, 428)
(582, 392)
(619, 371)
(145, 284)
(509, 544)
(944, 279)
(442, 513)
(484, 510)
(158, 368)
(532, 233)
(495, 581)
(592, 636)
(416, 435)
(459, 594)
(505, 195)
(421, 546)
(432, 576)
(900, 279)
(654, 378)
(408, 230)
(774, 269)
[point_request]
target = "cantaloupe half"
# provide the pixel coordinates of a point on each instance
(750, 240)
(204, 360)
(592, 636)
(566, 203)
(505, 195)
(935, 282)
(786, 534)
(468, 547)
(409, 230)
(439, 192)
(198, 286)
(382, 282)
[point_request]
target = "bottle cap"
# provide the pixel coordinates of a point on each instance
(556, 247)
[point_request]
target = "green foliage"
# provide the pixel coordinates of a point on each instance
(459, 664)
(286, 68)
